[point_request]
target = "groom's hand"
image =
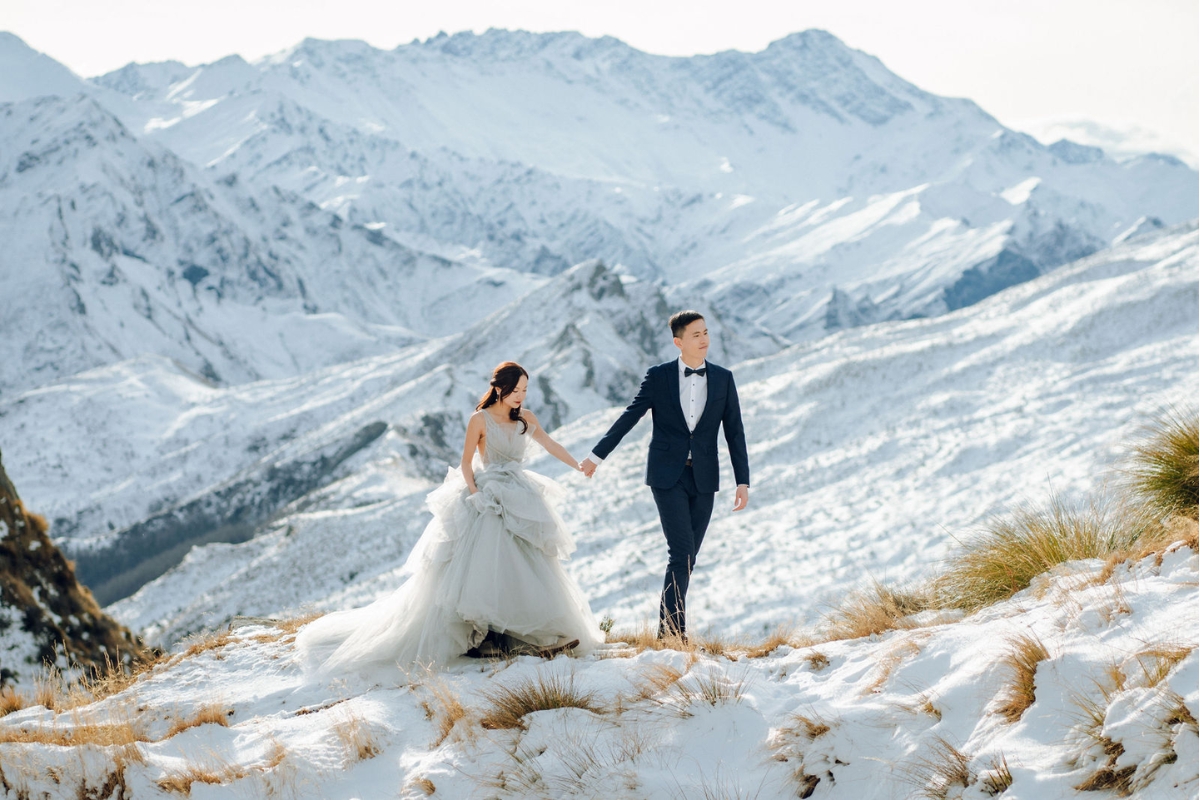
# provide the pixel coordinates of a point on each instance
(741, 498)
(588, 467)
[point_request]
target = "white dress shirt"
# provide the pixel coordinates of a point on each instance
(693, 395)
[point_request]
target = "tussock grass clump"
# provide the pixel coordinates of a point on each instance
(11, 700)
(1157, 661)
(711, 687)
(1024, 654)
(875, 610)
(510, 704)
(1012, 551)
(445, 709)
(782, 636)
(1165, 466)
(214, 773)
(644, 638)
(998, 777)
(356, 738)
(944, 768)
(213, 641)
(212, 714)
(119, 732)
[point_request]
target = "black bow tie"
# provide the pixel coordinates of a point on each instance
(689, 371)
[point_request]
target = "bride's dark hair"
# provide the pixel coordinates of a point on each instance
(504, 380)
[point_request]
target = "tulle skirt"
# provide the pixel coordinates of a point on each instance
(499, 569)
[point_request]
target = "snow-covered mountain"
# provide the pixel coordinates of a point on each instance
(243, 297)
(335, 201)
(872, 449)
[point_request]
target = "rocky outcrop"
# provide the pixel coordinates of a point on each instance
(46, 615)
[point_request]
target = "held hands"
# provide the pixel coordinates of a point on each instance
(587, 467)
(741, 498)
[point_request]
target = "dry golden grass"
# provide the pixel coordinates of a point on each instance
(782, 636)
(11, 700)
(656, 680)
(115, 677)
(425, 785)
(446, 710)
(1003, 560)
(944, 768)
(294, 624)
(710, 687)
(510, 704)
(119, 732)
(212, 714)
(644, 638)
(1165, 466)
(998, 777)
(214, 771)
(204, 643)
(873, 611)
(817, 660)
(356, 738)
(1156, 662)
(53, 690)
(810, 727)
(1025, 652)
(886, 664)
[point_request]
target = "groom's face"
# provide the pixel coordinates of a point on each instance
(693, 344)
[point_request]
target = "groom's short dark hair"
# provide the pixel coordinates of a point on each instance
(680, 320)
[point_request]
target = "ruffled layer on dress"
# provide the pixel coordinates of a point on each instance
(471, 571)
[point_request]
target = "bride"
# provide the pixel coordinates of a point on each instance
(486, 576)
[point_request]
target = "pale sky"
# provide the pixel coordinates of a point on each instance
(1037, 65)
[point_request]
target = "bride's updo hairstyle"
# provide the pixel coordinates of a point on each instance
(504, 380)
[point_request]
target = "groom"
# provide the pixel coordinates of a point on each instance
(690, 398)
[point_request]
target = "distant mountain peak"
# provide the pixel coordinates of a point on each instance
(26, 73)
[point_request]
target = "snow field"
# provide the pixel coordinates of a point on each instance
(886, 716)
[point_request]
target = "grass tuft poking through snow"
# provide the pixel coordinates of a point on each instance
(357, 739)
(1165, 466)
(945, 768)
(1030, 541)
(508, 705)
(211, 714)
(875, 610)
(1024, 654)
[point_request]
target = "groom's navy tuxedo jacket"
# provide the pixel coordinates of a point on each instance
(671, 440)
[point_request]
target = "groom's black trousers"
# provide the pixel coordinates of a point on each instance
(684, 513)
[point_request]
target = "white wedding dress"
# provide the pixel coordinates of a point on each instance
(471, 571)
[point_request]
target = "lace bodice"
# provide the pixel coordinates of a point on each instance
(505, 442)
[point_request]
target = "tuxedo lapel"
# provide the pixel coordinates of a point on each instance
(710, 387)
(673, 390)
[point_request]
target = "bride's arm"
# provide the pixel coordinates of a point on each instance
(474, 434)
(552, 447)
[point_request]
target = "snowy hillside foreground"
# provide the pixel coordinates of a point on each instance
(928, 711)
(870, 452)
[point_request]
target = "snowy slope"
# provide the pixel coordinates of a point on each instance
(882, 717)
(171, 458)
(870, 452)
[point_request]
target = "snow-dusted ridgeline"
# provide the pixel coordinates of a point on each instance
(336, 201)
